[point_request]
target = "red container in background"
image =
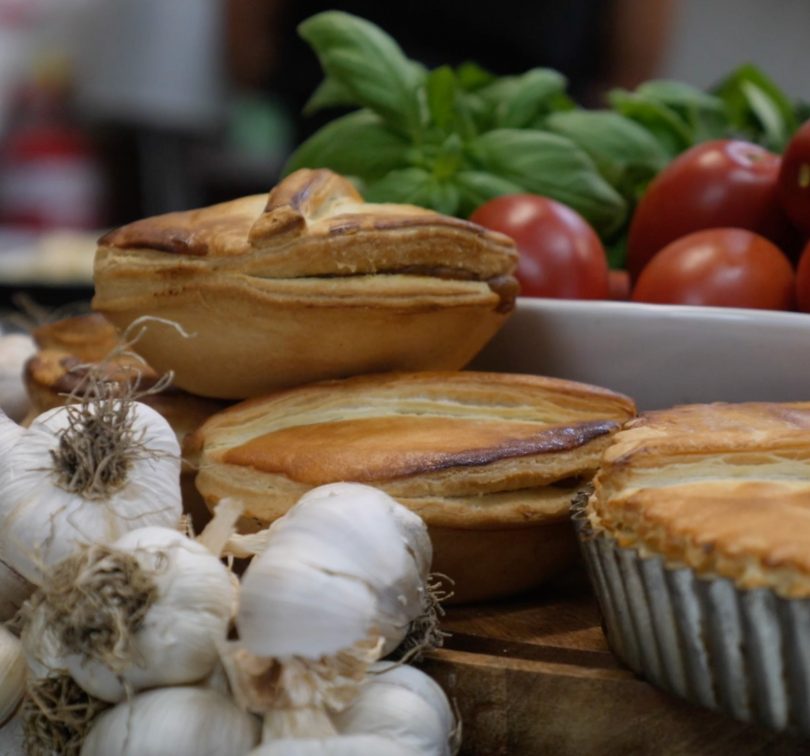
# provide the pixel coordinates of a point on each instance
(50, 176)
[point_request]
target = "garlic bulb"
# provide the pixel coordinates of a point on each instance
(12, 674)
(405, 705)
(341, 745)
(182, 721)
(83, 474)
(15, 349)
(346, 561)
(158, 605)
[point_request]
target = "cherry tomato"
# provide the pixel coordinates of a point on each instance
(794, 179)
(717, 184)
(560, 254)
(725, 267)
(803, 280)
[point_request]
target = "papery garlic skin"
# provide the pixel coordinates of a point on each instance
(405, 705)
(354, 547)
(180, 721)
(288, 608)
(41, 524)
(178, 640)
(340, 745)
(12, 674)
(15, 349)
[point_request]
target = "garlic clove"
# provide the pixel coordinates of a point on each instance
(288, 608)
(340, 745)
(180, 721)
(413, 679)
(409, 715)
(12, 674)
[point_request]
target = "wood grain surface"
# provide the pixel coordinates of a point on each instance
(535, 676)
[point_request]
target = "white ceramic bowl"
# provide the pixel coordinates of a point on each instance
(660, 355)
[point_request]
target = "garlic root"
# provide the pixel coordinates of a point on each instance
(57, 714)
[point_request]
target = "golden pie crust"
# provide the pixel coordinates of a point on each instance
(721, 488)
(465, 449)
(309, 283)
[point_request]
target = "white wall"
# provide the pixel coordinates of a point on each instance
(711, 37)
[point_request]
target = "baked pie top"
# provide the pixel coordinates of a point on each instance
(423, 435)
(315, 223)
(721, 488)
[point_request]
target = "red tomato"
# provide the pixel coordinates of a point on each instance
(794, 179)
(803, 280)
(717, 184)
(560, 254)
(725, 267)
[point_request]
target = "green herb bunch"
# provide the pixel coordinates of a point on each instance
(453, 138)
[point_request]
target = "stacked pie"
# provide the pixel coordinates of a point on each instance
(308, 283)
(490, 461)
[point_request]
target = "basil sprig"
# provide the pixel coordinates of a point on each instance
(453, 138)
(449, 138)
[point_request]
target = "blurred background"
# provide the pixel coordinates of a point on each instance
(111, 110)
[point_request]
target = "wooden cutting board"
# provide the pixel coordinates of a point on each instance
(535, 676)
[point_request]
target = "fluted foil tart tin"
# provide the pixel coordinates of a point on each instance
(742, 652)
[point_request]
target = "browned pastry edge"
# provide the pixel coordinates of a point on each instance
(314, 226)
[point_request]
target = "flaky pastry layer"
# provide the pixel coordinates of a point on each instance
(313, 224)
(462, 448)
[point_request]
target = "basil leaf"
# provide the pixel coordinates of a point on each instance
(516, 101)
(705, 113)
(552, 166)
(478, 187)
(356, 144)
(441, 95)
(471, 76)
(369, 64)
(615, 143)
(677, 94)
(757, 107)
(329, 94)
(672, 132)
(775, 130)
(415, 186)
